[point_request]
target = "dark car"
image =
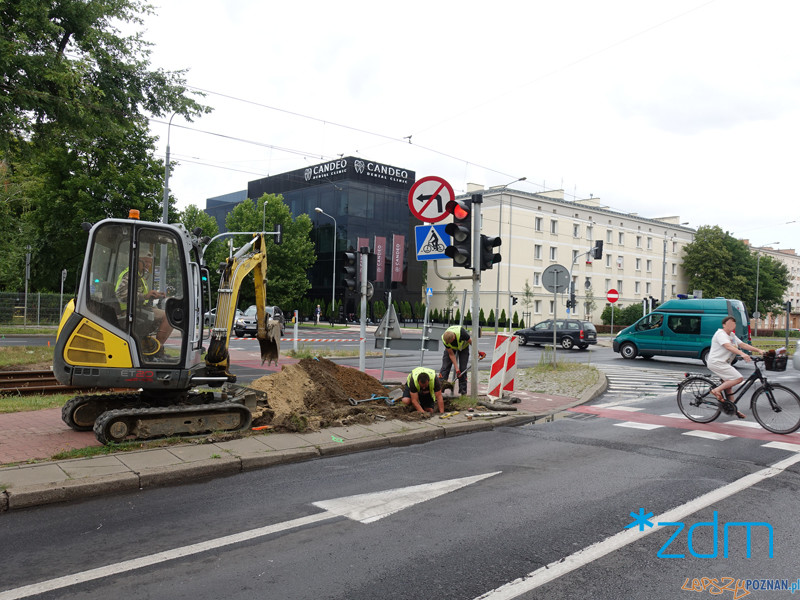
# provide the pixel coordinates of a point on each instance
(246, 323)
(570, 333)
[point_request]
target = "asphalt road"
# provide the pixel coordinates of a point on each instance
(552, 495)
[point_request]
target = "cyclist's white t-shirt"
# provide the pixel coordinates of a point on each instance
(720, 358)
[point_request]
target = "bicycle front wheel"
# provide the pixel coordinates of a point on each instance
(776, 408)
(696, 401)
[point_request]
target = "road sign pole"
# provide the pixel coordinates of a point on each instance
(362, 342)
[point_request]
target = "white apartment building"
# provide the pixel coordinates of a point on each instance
(792, 261)
(641, 256)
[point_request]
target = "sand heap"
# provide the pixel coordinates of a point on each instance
(314, 393)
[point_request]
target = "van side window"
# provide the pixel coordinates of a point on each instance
(683, 324)
(651, 321)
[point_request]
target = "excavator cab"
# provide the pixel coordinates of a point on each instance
(136, 319)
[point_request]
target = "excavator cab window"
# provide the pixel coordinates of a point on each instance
(153, 311)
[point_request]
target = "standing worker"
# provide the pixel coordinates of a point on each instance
(456, 342)
(417, 391)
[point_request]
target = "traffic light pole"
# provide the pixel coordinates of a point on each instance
(477, 200)
(362, 354)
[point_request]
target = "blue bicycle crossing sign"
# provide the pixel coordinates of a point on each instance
(431, 241)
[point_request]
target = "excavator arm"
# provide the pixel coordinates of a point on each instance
(251, 257)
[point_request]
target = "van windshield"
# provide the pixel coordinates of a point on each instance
(651, 321)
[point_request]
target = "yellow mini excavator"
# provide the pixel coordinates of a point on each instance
(137, 323)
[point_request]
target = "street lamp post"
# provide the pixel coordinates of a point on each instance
(756, 314)
(165, 208)
(333, 283)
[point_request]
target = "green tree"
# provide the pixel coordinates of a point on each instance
(74, 141)
(718, 264)
(288, 263)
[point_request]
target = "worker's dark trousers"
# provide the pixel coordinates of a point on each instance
(462, 358)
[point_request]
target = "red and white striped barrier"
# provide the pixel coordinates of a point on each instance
(504, 366)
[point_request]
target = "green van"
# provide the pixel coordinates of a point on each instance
(681, 327)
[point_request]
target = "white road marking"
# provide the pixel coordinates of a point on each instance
(709, 435)
(591, 553)
(632, 425)
(783, 446)
(365, 508)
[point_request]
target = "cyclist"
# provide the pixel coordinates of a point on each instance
(725, 346)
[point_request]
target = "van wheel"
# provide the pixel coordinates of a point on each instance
(704, 356)
(628, 351)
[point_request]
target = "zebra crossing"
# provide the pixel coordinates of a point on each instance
(626, 383)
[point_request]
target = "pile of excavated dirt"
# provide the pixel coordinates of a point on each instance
(314, 393)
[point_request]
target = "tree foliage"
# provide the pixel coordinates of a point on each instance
(288, 263)
(722, 266)
(75, 97)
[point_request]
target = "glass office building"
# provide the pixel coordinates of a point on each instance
(369, 202)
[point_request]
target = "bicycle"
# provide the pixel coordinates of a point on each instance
(775, 406)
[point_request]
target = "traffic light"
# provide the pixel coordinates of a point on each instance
(488, 256)
(350, 268)
(653, 303)
(514, 300)
(597, 251)
(460, 232)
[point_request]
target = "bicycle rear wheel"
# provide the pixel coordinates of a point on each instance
(776, 408)
(696, 401)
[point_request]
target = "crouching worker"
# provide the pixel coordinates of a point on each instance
(421, 386)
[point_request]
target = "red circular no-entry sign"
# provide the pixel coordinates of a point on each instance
(612, 296)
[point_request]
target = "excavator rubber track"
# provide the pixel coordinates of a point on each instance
(122, 425)
(81, 412)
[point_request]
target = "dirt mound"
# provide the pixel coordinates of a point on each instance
(314, 393)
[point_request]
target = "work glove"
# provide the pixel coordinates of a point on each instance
(481, 355)
(458, 374)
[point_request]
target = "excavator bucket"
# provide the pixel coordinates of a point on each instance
(271, 343)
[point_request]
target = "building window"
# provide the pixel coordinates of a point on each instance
(552, 306)
(647, 288)
(638, 264)
(576, 231)
(649, 265)
(609, 236)
(574, 256)
(538, 223)
(674, 246)
(608, 285)
(637, 288)
(536, 278)
(619, 286)
(537, 252)
(589, 232)
(553, 253)
(621, 238)
(608, 260)
(553, 226)
(649, 243)
(638, 241)
(620, 262)
(673, 291)
(537, 307)
(674, 267)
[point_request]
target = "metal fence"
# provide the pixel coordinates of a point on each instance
(39, 308)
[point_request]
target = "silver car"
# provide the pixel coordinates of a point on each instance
(247, 325)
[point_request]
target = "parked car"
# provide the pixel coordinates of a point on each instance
(211, 316)
(570, 333)
(247, 325)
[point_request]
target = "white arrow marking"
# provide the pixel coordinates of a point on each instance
(365, 508)
(368, 508)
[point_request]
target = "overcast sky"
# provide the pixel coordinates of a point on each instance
(686, 107)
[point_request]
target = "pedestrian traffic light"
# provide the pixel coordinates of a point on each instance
(350, 268)
(597, 251)
(460, 232)
(488, 256)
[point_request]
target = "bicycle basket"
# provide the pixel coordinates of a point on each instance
(775, 363)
